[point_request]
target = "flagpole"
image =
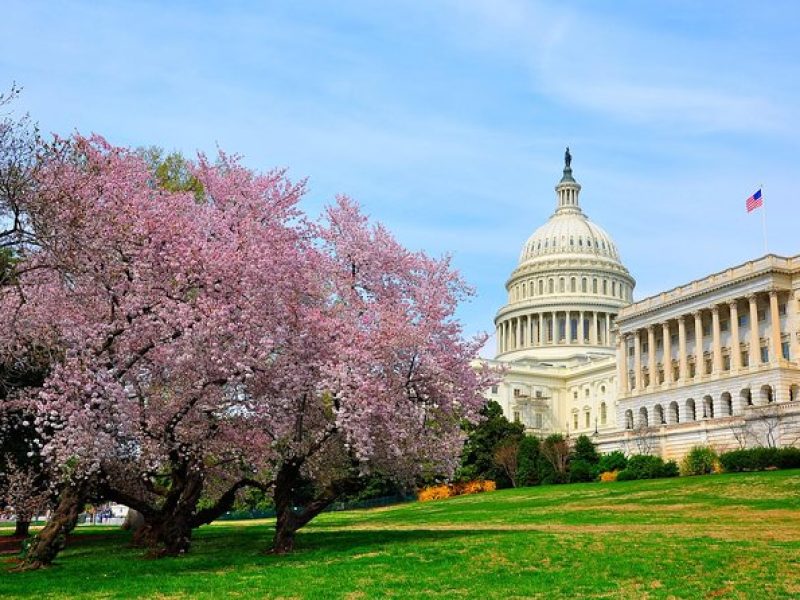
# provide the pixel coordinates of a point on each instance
(764, 219)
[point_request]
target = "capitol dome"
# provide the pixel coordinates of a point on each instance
(567, 288)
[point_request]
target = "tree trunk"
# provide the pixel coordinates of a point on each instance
(21, 528)
(169, 532)
(290, 518)
(285, 530)
(285, 523)
(53, 538)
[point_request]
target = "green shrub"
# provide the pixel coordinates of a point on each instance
(529, 460)
(580, 470)
(701, 460)
(643, 466)
(585, 450)
(613, 461)
(759, 459)
(789, 458)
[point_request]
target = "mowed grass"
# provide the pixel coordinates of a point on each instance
(722, 536)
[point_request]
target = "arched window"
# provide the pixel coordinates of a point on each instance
(584, 287)
(643, 420)
(691, 414)
(673, 416)
(572, 285)
(613, 288)
(587, 419)
(550, 288)
(629, 419)
(658, 415)
(594, 285)
(541, 287)
(605, 287)
(561, 285)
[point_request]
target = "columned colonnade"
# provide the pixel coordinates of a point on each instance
(706, 356)
(555, 327)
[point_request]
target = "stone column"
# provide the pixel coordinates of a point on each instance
(699, 363)
(683, 363)
(526, 331)
(593, 334)
(499, 338)
(716, 361)
(651, 356)
(568, 329)
(775, 353)
(637, 361)
(755, 344)
(540, 331)
(666, 357)
(622, 365)
(518, 339)
(792, 326)
(736, 351)
(581, 328)
(608, 330)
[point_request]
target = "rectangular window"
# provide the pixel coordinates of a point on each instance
(764, 354)
(659, 344)
(742, 320)
(494, 389)
(726, 363)
(644, 346)
(782, 309)
(539, 420)
(588, 418)
(723, 325)
(538, 393)
(575, 421)
(674, 339)
(762, 315)
(745, 358)
(516, 417)
(785, 350)
(706, 329)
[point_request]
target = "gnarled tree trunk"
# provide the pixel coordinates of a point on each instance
(291, 518)
(168, 532)
(21, 528)
(53, 537)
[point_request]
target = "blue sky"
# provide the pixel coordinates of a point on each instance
(448, 119)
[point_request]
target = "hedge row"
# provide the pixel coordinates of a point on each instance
(642, 466)
(760, 459)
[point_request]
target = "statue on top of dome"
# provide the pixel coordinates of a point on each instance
(567, 159)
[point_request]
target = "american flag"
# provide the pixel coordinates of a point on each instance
(754, 201)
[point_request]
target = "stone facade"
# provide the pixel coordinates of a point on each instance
(711, 362)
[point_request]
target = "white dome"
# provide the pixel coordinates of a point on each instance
(567, 289)
(569, 233)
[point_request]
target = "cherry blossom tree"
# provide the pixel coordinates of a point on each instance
(379, 373)
(213, 339)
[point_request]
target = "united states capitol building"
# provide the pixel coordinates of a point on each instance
(715, 361)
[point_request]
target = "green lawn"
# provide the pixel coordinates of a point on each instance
(722, 536)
